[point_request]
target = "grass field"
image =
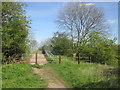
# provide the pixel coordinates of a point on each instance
(74, 75)
(85, 75)
(20, 75)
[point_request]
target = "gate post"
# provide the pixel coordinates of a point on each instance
(36, 58)
(78, 59)
(90, 58)
(59, 59)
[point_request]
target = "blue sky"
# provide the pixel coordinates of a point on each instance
(43, 15)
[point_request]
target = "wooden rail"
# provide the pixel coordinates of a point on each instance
(79, 59)
(18, 59)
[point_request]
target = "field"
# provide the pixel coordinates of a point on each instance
(33, 35)
(85, 75)
(20, 75)
(72, 75)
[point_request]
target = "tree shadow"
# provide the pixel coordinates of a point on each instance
(108, 83)
(112, 83)
(110, 72)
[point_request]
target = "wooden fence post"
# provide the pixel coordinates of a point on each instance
(90, 59)
(78, 59)
(36, 58)
(59, 59)
(8, 59)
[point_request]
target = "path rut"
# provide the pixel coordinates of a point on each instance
(53, 81)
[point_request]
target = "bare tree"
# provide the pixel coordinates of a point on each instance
(33, 45)
(79, 19)
(46, 42)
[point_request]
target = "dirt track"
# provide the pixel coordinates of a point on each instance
(53, 81)
(41, 60)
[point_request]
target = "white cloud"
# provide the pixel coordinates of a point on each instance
(88, 4)
(112, 21)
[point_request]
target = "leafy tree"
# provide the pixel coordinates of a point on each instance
(79, 19)
(15, 26)
(101, 49)
(61, 44)
(118, 50)
(86, 28)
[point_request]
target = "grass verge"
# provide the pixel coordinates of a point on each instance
(85, 75)
(20, 75)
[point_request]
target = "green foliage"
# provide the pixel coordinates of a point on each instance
(48, 58)
(61, 44)
(47, 48)
(85, 75)
(101, 49)
(118, 50)
(40, 49)
(38, 66)
(15, 27)
(88, 39)
(20, 75)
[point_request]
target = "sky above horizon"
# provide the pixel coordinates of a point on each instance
(44, 14)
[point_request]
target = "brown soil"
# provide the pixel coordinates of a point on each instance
(41, 60)
(53, 81)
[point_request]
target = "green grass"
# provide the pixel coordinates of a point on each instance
(85, 75)
(20, 75)
(39, 66)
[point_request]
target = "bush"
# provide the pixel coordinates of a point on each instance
(101, 50)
